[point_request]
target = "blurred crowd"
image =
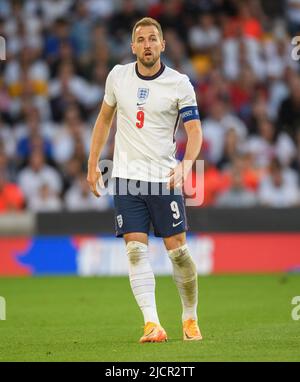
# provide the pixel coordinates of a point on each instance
(238, 55)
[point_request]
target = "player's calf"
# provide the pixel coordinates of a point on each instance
(186, 279)
(142, 280)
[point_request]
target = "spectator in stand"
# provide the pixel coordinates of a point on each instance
(81, 30)
(242, 163)
(58, 32)
(296, 161)
(7, 140)
(211, 89)
(52, 10)
(231, 148)
(242, 45)
(277, 189)
(124, 19)
(98, 75)
(204, 35)
(28, 64)
(204, 186)
(7, 166)
(242, 91)
(100, 9)
(278, 91)
(79, 197)
(11, 196)
(289, 113)
(66, 54)
(71, 136)
(67, 88)
(103, 48)
(171, 17)
(245, 23)
(46, 200)
(36, 174)
(293, 16)
(26, 78)
(238, 195)
(5, 100)
(31, 137)
(259, 112)
(71, 171)
(215, 126)
(269, 143)
(277, 50)
(31, 119)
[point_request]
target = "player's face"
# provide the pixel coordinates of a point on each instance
(147, 45)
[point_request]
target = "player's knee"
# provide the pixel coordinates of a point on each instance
(182, 258)
(175, 242)
(136, 251)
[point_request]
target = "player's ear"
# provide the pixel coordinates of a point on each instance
(132, 48)
(163, 45)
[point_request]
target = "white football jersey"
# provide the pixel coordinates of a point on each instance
(147, 118)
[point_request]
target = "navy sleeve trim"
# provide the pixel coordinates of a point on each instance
(189, 113)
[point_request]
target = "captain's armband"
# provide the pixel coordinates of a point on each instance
(189, 112)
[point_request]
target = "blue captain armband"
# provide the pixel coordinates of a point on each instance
(189, 112)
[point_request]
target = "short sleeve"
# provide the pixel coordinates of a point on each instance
(187, 104)
(186, 94)
(109, 96)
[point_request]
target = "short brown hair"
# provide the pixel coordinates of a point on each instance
(146, 21)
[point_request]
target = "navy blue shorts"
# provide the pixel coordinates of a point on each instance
(134, 211)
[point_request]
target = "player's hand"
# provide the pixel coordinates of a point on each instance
(95, 180)
(179, 174)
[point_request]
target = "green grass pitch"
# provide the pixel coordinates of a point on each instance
(242, 318)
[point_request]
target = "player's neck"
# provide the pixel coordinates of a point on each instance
(149, 72)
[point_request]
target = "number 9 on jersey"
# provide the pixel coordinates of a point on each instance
(140, 116)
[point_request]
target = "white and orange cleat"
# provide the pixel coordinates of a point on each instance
(191, 331)
(153, 333)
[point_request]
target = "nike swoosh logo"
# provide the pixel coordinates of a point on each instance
(187, 336)
(176, 224)
(148, 334)
(140, 104)
(190, 338)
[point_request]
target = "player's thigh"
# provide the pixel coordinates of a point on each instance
(168, 216)
(131, 215)
(141, 237)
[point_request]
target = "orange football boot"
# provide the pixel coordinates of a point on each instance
(153, 333)
(191, 331)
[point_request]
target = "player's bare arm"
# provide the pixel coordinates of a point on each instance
(194, 142)
(99, 138)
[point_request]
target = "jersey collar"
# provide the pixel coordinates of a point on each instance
(148, 78)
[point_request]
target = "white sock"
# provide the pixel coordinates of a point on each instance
(142, 280)
(186, 279)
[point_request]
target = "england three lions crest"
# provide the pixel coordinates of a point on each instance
(142, 94)
(120, 220)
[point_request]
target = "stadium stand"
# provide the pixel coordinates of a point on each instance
(237, 54)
